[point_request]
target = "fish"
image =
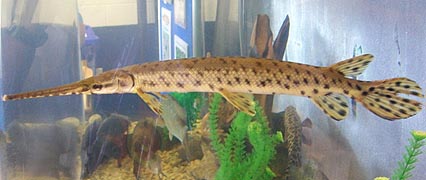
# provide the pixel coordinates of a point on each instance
(294, 138)
(174, 118)
(238, 78)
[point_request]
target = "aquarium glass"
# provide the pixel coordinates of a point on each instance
(242, 106)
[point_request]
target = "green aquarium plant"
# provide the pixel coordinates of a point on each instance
(248, 148)
(406, 166)
(413, 151)
(192, 103)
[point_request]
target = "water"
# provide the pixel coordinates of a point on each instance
(89, 137)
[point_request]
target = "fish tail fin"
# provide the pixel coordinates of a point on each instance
(353, 66)
(382, 98)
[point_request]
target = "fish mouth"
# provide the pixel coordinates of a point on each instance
(64, 90)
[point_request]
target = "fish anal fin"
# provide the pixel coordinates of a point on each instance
(307, 123)
(334, 105)
(242, 101)
(151, 101)
(353, 66)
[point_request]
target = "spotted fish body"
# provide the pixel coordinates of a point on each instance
(293, 136)
(236, 78)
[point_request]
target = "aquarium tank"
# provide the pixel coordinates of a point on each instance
(207, 89)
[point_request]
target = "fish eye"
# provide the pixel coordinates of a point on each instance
(97, 86)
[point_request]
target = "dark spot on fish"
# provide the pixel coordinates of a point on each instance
(237, 79)
(407, 86)
(326, 86)
(371, 104)
(328, 93)
(315, 91)
(186, 74)
(340, 81)
(286, 86)
(349, 84)
(288, 77)
(179, 85)
(254, 71)
(273, 93)
(200, 73)
(222, 60)
(172, 74)
(355, 69)
(220, 89)
(365, 63)
(324, 76)
(364, 93)
(263, 83)
(275, 63)
(371, 89)
(151, 83)
(281, 71)
(258, 64)
(197, 83)
(391, 89)
(167, 84)
(414, 93)
(358, 87)
(267, 70)
(211, 86)
(343, 104)
(161, 78)
(406, 100)
(279, 82)
(302, 92)
(296, 82)
(334, 81)
(250, 91)
(392, 101)
(385, 108)
(219, 80)
(402, 111)
(346, 91)
(342, 112)
(316, 80)
(229, 83)
(289, 66)
(247, 81)
(350, 61)
(297, 71)
(305, 81)
(377, 99)
(308, 72)
(95, 86)
(398, 83)
(412, 109)
(330, 106)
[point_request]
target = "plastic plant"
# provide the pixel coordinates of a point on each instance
(192, 103)
(413, 151)
(236, 161)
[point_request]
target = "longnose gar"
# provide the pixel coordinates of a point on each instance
(237, 78)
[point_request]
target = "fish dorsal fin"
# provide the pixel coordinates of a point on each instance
(151, 101)
(242, 101)
(334, 105)
(353, 66)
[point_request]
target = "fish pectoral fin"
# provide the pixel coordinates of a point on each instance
(334, 105)
(353, 66)
(151, 101)
(242, 101)
(307, 123)
(170, 136)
